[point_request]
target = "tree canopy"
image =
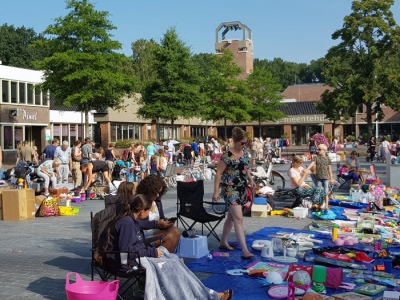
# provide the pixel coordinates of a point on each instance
(143, 61)
(364, 66)
(175, 92)
(227, 96)
(84, 71)
(264, 96)
(15, 47)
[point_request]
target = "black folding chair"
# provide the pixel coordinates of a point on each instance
(190, 205)
(344, 182)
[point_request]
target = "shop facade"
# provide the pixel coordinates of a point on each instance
(24, 110)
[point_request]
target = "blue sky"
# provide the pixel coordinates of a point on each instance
(294, 30)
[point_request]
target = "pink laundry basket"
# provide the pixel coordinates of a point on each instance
(90, 290)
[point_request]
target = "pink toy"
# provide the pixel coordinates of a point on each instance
(339, 242)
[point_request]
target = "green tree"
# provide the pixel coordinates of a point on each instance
(175, 92)
(15, 47)
(84, 71)
(143, 60)
(288, 73)
(263, 92)
(363, 67)
(227, 96)
(312, 73)
(203, 61)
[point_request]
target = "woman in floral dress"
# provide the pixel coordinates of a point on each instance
(233, 177)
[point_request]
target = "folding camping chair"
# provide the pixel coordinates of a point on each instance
(196, 171)
(169, 176)
(344, 182)
(190, 205)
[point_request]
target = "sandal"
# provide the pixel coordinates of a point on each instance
(248, 256)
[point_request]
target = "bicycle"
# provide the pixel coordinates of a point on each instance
(267, 176)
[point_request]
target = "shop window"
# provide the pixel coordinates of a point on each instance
(8, 137)
(22, 94)
(64, 133)
(14, 92)
(5, 90)
(114, 132)
(45, 100)
(137, 132)
(130, 130)
(72, 132)
(30, 91)
(18, 135)
(124, 132)
(38, 93)
(56, 131)
(80, 133)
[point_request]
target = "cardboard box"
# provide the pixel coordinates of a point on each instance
(258, 210)
(1, 204)
(30, 204)
(1, 212)
(14, 205)
(38, 202)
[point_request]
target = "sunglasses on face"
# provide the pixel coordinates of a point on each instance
(243, 143)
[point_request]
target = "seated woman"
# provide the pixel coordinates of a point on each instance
(353, 163)
(48, 171)
(125, 192)
(297, 175)
(154, 187)
(345, 173)
(124, 235)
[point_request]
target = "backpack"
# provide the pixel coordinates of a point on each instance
(22, 169)
(125, 154)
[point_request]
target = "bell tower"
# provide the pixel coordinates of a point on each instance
(242, 48)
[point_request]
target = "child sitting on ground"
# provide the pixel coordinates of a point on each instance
(345, 173)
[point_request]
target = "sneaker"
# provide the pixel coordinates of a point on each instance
(113, 189)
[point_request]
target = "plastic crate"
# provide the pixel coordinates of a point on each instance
(193, 247)
(300, 212)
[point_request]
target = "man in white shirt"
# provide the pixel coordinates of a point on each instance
(171, 147)
(63, 153)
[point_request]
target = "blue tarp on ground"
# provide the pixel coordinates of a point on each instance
(245, 287)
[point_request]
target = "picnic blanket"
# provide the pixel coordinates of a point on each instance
(246, 287)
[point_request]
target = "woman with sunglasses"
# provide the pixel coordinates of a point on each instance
(155, 187)
(353, 163)
(297, 175)
(233, 178)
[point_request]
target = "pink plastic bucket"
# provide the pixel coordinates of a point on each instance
(90, 290)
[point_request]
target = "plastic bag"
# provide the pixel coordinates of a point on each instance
(68, 210)
(49, 208)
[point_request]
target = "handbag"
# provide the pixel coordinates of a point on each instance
(369, 150)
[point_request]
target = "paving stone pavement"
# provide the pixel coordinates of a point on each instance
(36, 254)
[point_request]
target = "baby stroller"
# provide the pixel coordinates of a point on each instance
(118, 173)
